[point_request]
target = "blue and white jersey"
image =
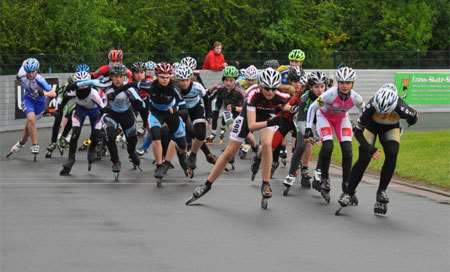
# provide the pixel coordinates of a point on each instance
(193, 95)
(122, 101)
(31, 88)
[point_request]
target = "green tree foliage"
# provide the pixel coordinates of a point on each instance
(78, 30)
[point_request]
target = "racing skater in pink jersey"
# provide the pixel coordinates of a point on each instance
(330, 111)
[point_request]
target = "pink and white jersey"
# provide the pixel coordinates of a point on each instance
(333, 106)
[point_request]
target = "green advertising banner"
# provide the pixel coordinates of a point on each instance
(424, 88)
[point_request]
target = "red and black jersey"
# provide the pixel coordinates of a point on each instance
(263, 107)
(294, 100)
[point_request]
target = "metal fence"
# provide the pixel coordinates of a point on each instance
(61, 63)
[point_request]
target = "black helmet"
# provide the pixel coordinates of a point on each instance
(138, 67)
(118, 69)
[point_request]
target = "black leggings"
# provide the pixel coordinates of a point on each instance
(325, 160)
(126, 120)
(391, 149)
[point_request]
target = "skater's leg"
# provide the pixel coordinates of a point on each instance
(111, 134)
(325, 157)
(346, 149)
(224, 158)
(199, 134)
(266, 153)
(32, 130)
(300, 148)
(56, 125)
(391, 149)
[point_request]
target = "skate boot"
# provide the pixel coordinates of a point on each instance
(283, 156)
(182, 160)
(288, 182)
(91, 157)
(266, 192)
(116, 170)
(325, 189)
(255, 166)
(275, 165)
(85, 145)
(67, 167)
(380, 207)
(316, 179)
(210, 138)
(222, 135)
(35, 151)
(15, 148)
(50, 148)
(140, 151)
(344, 201)
(243, 150)
(160, 172)
(199, 191)
(211, 158)
(136, 161)
(192, 160)
(306, 179)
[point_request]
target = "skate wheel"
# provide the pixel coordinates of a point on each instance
(264, 203)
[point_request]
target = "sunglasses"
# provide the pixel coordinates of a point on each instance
(270, 89)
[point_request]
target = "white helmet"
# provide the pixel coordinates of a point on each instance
(175, 65)
(269, 78)
(183, 72)
(317, 77)
(345, 74)
(189, 62)
(251, 73)
(386, 98)
(83, 75)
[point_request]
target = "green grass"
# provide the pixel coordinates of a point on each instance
(424, 158)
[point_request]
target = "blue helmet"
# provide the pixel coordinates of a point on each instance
(31, 65)
(83, 75)
(83, 67)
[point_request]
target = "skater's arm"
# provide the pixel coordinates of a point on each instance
(251, 119)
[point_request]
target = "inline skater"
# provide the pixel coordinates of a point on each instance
(88, 103)
(255, 115)
(331, 111)
(381, 117)
(316, 85)
(165, 101)
(122, 98)
(193, 112)
(229, 95)
(35, 89)
(64, 98)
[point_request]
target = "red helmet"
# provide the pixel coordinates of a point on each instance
(115, 55)
(163, 68)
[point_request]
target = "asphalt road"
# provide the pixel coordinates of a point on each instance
(87, 222)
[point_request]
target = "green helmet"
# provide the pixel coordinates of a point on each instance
(230, 71)
(296, 55)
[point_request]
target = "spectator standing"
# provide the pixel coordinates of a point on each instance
(215, 60)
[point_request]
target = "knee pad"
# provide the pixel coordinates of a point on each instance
(200, 131)
(76, 131)
(181, 143)
(111, 134)
(156, 133)
(131, 131)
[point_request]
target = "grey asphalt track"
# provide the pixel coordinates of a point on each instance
(86, 222)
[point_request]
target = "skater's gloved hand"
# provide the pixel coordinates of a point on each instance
(274, 121)
(294, 109)
(309, 133)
